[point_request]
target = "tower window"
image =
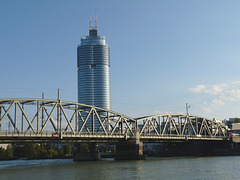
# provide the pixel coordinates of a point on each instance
(93, 66)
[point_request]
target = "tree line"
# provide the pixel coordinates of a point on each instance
(46, 151)
(35, 151)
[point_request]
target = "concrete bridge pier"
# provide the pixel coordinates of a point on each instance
(130, 150)
(86, 154)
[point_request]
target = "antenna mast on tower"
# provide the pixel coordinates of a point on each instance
(95, 18)
(93, 25)
(90, 22)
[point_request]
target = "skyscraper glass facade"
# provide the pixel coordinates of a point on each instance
(93, 62)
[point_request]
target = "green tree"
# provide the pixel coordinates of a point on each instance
(2, 153)
(237, 120)
(30, 151)
(61, 152)
(67, 149)
(10, 152)
(52, 153)
(84, 148)
(113, 150)
(104, 149)
(42, 151)
(18, 151)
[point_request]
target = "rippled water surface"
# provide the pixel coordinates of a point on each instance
(153, 168)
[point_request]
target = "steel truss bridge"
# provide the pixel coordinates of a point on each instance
(42, 120)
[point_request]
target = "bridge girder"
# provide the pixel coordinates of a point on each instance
(51, 120)
(180, 125)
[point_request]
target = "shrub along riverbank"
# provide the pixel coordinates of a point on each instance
(35, 151)
(47, 151)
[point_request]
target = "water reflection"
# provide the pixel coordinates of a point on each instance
(153, 168)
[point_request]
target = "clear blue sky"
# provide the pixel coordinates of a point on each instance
(164, 53)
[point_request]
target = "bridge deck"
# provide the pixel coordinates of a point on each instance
(12, 137)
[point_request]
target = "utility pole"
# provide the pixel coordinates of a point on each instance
(187, 107)
(0, 117)
(42, 110)
(58, 112)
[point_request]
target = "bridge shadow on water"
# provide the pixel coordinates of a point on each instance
(193, 148)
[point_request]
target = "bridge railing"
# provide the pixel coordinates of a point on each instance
(54, 136)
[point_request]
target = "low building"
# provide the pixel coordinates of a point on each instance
(233, 125)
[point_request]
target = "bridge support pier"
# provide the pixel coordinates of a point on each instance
(86, 154)
(130, 150)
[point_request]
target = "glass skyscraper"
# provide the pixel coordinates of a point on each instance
(93, 62)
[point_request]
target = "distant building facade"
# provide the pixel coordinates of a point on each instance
(233, 125)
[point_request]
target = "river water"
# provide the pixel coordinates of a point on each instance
(225, 167)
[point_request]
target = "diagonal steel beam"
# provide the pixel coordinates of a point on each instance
(165, 126)
(74, 114)
(174, 124)
(223, 132)
(128, 126)
(66, 118)
(7, 111)
(85, 121)
(100, 121)
(216, 131)
(209, 131)
(185, 123)
(119, 119)
(26, 117)
(154, 127)
(201, 128)
(192, 127)
(144, 125)
(9, 117)
(49, 117)
(35, 117)
(103, 123)
(79, 113)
